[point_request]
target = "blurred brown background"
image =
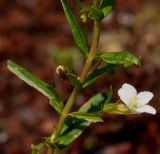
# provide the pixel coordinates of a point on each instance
(35, 34)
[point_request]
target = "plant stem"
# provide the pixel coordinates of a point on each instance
(93, 49)
(87, 66)
(67, 108)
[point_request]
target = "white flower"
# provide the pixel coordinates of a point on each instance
(136, 102)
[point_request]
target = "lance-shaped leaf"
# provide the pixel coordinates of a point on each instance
(91, 78)
(78, 35)
(124, 59)
(73, 126)
(90, 117)
(38, 84)
(72, 129)
(94, 104)
(106, 6)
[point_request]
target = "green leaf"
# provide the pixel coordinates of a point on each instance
(94, 104)
(66, 139)
(91, 78)
(76, 31)
(36, 147)
(73, 127)
(106, 6)
(36, 83)
(90, 117)
(124, 59)
(74, 80)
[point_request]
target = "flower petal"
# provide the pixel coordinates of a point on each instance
(147, 109)
(126, 93)
(144, 97)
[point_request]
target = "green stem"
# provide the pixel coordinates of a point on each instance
(93, 50)
(87, 66)
(67, 108)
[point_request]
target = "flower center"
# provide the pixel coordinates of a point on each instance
(133, 102)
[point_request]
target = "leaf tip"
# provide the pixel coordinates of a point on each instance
(9, 64)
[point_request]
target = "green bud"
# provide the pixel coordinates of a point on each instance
(117, 108)
(84, 18)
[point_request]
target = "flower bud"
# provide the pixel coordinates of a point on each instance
(117, 108)
(84, 18)
(60, 70)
